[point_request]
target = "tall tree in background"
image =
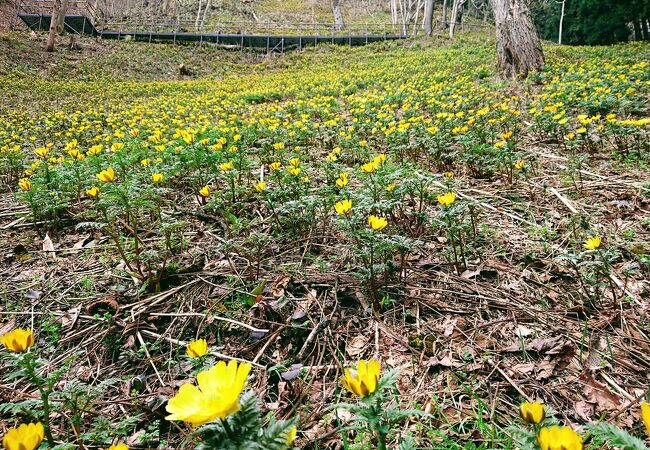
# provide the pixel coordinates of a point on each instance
(591, 22)
(54, 20)
(60, 22)
(428, 17)
(519, 50)
(456, 12)
(338, 16)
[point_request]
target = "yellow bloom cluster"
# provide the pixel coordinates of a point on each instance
(217, 394)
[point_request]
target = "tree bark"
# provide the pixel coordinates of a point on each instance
(198, 15)
(51, 37)
(443, 24)
(637, 30)
(428, 17)
(559, 34)
(519, 50)
(60, 20)
(339, 24)
(455, 12)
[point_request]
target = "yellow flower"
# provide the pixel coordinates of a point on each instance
(134, 132)
(520, 164)
(532, 412)
(447, 198)
(217, 394)
(570, 136)
(92, 192)
(342, 180)
(645, 416)
(25, 184)
(369, 167)
(331, 157)
(559, 438)
(343, 206)
(204, 191)
(363, 381)
(95, 149)
(377, 223)
(145, 162)
(275, 165)
(390, 188)
(120, 446)
(592, 243)
(291, 435)
(25, 437)
(379, 159)
(295, 162)
(117, 146)
(226, 166)
(259, 187)
(18, 340)
(107, 175)
(197, 348)
(157, 177)
(449, 174)
(500, 144)
(41, 152)
(581, 130)
(294, 170)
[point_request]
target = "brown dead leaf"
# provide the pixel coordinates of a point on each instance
(598, 394)
(523, 369)
(536, 345)
(584, 410)
(7, 327)
(546, 368)
(356, 345)
(48, 247)
(280, 284)
(69, 319)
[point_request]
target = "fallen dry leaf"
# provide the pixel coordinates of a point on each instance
(598, 394)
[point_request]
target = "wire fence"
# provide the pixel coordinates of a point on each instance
(161, 24)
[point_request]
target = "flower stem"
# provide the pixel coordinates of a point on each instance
(227, 429)
(30, 367)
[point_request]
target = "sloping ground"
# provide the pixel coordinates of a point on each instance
(94, 59)
(7, 15)
(529, 315)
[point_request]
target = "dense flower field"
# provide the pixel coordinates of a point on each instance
(366, 152)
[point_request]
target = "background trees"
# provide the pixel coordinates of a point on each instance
(592, 22)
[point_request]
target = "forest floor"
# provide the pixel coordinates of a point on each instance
(275, 277)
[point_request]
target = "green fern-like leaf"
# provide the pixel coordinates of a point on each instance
(617, 437)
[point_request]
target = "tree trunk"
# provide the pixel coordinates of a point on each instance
(338, 16)
(393, 11)
(60, 20)
(428, 17)
(455, 13)
(198, 16)
(417, 17)
(519, 50)
(559, 34)
(443, 24)
(51, 37)
(637, 30)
